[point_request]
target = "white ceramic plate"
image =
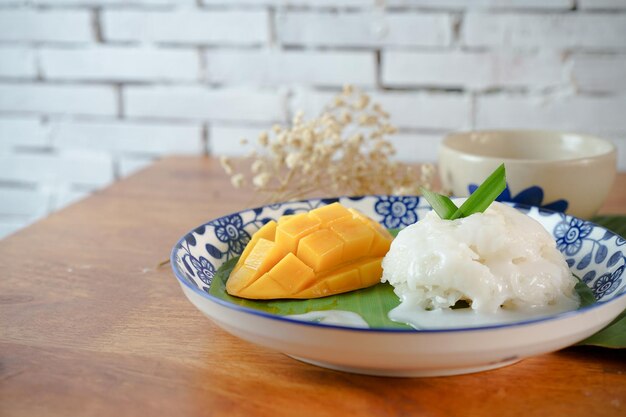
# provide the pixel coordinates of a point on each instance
(593, 253)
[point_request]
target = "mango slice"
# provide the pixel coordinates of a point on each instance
(329, 250)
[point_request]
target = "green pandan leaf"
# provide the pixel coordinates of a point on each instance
(478, 202)
(442, 205)
(484, 195)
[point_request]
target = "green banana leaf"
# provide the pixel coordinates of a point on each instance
(374, 303)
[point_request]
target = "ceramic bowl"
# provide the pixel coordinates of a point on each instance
(565, 172)
(593, 253)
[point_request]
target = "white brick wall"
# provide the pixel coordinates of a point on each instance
(188, 26)
(226, 140)
(88, 169)
(564, 113)
(599, 73)
(488, 4)
(418, 110)
(593, 31)
(204, 103)
(23, 202)
(472, 70)
(17, 62)
(46, 26)
(602, 4)
(328, 68)
(120, 64)
(364, 29)
(58, 99)
(94, 90)
(16, 132)
(154, 138)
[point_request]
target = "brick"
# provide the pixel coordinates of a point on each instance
(604, 73)
(566, 113)
(51, 169)
(486, 4)
(9, 226)
(111, 2)
(416, 147)
(22, 132)
(187, 26)
(58, 99)
(205, 104)
(64, 196)
(359, 29)
(308, 3)
(275, 68)
(427, 110)
(548, 30)
(225, 140)
(602, 4)
(128, 165)
(475, 70)
(120, 64)
(128, 137)
(45, 25)
(408, 110)
(17, 62)
(23, 202)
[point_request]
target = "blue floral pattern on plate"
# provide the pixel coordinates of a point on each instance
(229, 230)
(203, 268)
(607, 283)
(593, 253)
(531, 196)
(570, 235)
(398, 211)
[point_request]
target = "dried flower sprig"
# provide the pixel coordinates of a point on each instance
(345, 151)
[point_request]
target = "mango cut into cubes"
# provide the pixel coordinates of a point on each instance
(329, 250)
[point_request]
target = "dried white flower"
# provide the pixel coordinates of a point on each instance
(257, 166)
(227, 164)
(292, 160)
(261, 180)
(263, 139)
(343, 151)
(237, 180)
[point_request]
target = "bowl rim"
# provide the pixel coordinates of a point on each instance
(285, 319)
(553, 134)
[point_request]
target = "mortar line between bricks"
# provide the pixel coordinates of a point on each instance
(96, 27)
(272, 26)
(119, 97)
(205, 138)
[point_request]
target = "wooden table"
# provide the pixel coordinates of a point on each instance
(90, 326)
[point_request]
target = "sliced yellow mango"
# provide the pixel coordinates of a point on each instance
(326, 251)
(330, 214)
(288, 268)
(289, 233)
(267, 231)
(380, 245)
(283, 219)
(356, 235)
(321, 250)
(263, 256)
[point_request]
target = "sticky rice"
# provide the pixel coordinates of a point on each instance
(499, 259)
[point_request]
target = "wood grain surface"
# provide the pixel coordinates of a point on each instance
(90, 326)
